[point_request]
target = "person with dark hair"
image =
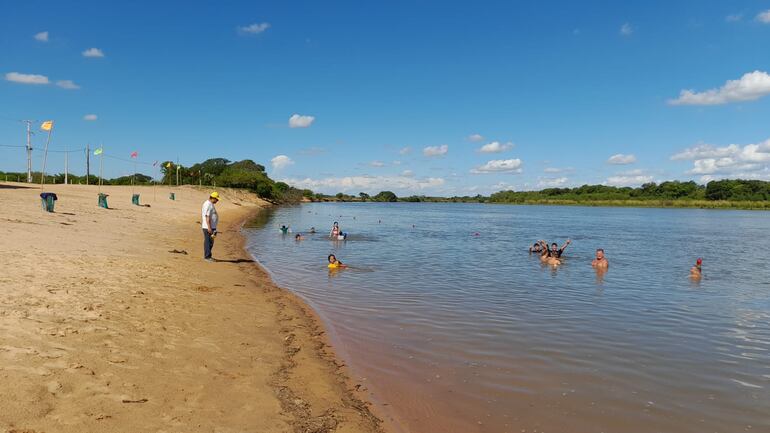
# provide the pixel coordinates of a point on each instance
(335, 230)
(555, 251)
(535, 248)
(600, 262)
(299, 237)
(334, 263)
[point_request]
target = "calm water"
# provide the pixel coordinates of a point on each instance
(453, 332)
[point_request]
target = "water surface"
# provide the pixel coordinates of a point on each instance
(453, 327)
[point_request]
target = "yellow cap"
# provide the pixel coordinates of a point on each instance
(214, 195)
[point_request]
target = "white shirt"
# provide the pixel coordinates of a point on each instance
(209, 210)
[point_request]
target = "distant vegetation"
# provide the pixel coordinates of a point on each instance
(729, 193)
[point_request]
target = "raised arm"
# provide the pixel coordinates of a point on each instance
(565, 245)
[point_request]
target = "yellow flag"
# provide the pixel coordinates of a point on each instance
(47, 125)
(168, 165)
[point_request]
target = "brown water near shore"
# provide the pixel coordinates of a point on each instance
(450, 331)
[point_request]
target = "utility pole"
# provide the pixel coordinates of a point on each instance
(66, 167)
(29, 150)
(88, 162)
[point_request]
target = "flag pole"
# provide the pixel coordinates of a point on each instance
(45, 157)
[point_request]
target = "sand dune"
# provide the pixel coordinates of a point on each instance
(104, 328)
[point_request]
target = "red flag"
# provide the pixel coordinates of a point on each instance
(134, 154)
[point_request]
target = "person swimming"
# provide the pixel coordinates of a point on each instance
(600, 262)
(335, 230)
(334, 263)
(299, 237)
(284, 229)
(696, 272)
(312, 230)
(555, 251)
(535, 248)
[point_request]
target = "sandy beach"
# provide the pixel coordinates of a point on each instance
(103, 327)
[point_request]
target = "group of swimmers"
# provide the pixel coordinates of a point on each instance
(552, 256)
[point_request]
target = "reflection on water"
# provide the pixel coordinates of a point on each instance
(447, 320)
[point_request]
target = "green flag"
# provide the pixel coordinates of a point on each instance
(98, 151)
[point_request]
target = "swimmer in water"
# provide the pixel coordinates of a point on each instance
(696, 272)
(535, 248)
(312, 230)
(600, 262)
(334, 263)
(299, 237)
(284, 229)
(547, 257)
(335, 230)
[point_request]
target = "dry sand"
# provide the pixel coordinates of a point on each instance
(103, 329)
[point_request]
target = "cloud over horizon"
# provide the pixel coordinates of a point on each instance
(42, 36)
(370, 184)
(499, 166)
(93, 52)
(734, 160)
(254, 29)
(751, 86)
(496, 147)
(281, 161)
(90, 117)
(621, 159)
(67, 84)
(17, 77)
(300, 121)
(432, 151)
(631, 178)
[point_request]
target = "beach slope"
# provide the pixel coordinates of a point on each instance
(110, 321)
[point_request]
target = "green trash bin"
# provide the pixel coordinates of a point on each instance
(135, 199)
(172, 196)
(103, 200)
(48, 200)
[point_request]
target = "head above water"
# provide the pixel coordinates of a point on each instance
(336, 224)
(298, 236)
(332, 258)
(699, 262)
(554, 246)
(599, 253)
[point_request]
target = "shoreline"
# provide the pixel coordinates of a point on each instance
(107, 328)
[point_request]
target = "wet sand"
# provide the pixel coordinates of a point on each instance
(104, 328)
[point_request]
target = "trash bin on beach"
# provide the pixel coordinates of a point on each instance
(103, 200)
(172, 196)
(135, 199)
(48, 200)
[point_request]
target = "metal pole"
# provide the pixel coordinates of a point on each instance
(66, 155)
(45, 157)
(88, 162)
(29, 150)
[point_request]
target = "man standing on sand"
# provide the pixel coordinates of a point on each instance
(209, 220)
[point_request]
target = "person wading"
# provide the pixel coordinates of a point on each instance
(209, 220)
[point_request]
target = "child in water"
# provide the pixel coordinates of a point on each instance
(696, 272)
(334, 263)
(284, 229)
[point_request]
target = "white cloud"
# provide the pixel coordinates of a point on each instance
(373, 184)
(499, 166)
(621, 159)
(734, 18)
(475, 138)
(93, 52)
(733, 160)
(554, 170)
(405, 150)
(42, 36)
(436, 150)
(300, 121)
(377, 164)
(254, 29)
(407, 173)
(552, 182)
(496, 147)
(764, 17)
(626, 29)
(67, 84)
(281, 161)
(26, 78)
(749, 87)
(90, 117)
(628, 180)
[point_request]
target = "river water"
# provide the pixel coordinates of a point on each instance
(452, 326)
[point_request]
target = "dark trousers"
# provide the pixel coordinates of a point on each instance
(208, 244)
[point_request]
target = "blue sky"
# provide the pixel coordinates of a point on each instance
(439, 97)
